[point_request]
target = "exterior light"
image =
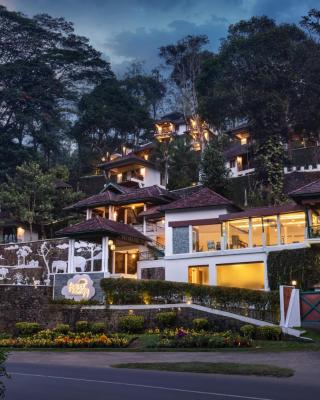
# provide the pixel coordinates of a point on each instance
(294, 283)
(162, 221)
(131, 312)
(103, 159)
(110, 242)
(134, 256)
(113, 247)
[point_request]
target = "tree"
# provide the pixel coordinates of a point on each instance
(186, 59)
(31, 196)
(148, 89)
(3, 373)
(267, 75)
(108, 118)
(214, 172)
(44, 68)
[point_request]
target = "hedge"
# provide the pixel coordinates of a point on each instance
(253, 303)
(301, 265)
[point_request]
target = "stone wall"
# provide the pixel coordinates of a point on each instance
(26, 303)
(180, 240)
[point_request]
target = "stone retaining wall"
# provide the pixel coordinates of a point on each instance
(26, 303)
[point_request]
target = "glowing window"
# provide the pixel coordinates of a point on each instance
(246, 275)
(199, 274)
(206, 238)
(292, 227)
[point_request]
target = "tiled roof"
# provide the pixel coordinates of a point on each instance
(261, 212)
(152, 212)
(311, 188)
(202, 198)
(235, 149)
(298, 179)
(187, 191)
(151, 193)
(102, 225)
(126, 160)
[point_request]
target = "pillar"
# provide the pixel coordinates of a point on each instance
(89, 213)
(105, 256)
(71, 256)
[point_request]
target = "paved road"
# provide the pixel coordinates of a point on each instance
(83, 376)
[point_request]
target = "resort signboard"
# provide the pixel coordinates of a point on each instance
(79, 287)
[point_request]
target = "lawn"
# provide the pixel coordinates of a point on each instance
(214, 368)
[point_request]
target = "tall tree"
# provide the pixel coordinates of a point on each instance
(44, 67)
(263, 75)
(186, 58)
(148, 89)
(108, 118)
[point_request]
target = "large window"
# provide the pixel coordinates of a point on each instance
(206, 238)
(292, 227)
(238, 233)
(257, 232)
(199, 274)
(245, 275)
(270, 228)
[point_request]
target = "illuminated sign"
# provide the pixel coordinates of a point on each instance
(79, 287)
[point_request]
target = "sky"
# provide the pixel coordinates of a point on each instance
(130, 30)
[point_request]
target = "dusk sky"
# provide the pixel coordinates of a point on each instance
(127, 30)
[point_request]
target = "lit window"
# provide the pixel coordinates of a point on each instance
(199, 274)
(206, 238)
(292, 227)
(257, 232)
(238, 233)
(245, 275)
(270, 228)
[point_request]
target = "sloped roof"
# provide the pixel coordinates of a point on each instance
(99, 225)
(151, 193)
(235, 149)
(312, 188)
(201, 198)
(126, 160)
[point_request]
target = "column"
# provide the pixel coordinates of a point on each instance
(125, 215)
(278, 229)
(70, 256)
(144, 226)
(89, 213)
(250, 232)
(105, 256)
(111, 211)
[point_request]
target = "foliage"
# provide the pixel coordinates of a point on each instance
(301, 265)
(184, 338)
(44, 66)
(62, 328)
(31, 196)
(214, 172)
(185, 58)
(82, 326)
(131, 324)
(27, 328)
(275, 93)
(81, 340)
(200, 324)
(132, 291)
(248, 330)
(166, 319)
(3, 372)
(109, 117)
(269, 332)
(98, 327)
(75, 302)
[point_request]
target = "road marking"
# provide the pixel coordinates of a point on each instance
(235, 396)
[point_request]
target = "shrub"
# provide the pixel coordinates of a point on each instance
(131, 324)
(132, 291)
(62, 328)
(166, 319)
(82, 326)
(98, 327)
(3, 372)
(269, 332)
(27, 328)
(248, 331)
(200, 324)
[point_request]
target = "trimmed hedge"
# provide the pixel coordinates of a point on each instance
(255, 303)
(27, 328)
(301, 265)
(131, 324)
(166, 319)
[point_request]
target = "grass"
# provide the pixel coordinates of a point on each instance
(214, 368)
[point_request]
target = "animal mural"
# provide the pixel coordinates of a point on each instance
(33, 263)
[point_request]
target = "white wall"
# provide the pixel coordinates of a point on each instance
(151, 177)
(174, 216)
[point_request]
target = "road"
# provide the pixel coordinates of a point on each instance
(77, 376)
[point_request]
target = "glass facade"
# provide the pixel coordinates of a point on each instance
(292, 227)
(237, 233)
(245, 275)
(206, 238)
(270, 229)
(257, 232)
